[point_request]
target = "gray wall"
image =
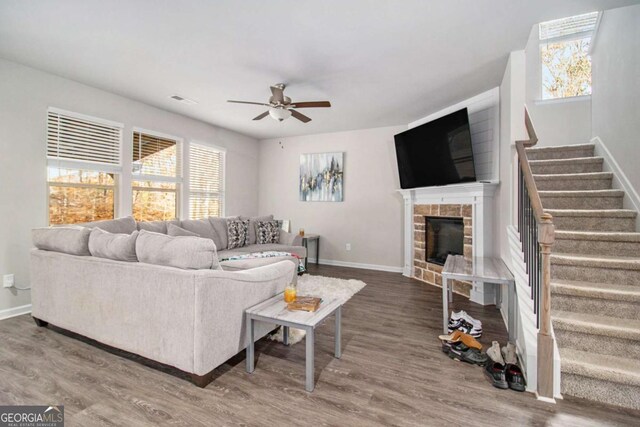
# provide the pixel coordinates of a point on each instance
(25, 95)
(557, 122)
(616, 88)
(370, 217)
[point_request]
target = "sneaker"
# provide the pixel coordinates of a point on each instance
(466, 327)
(461, 352)
(494, 353)
(496, 374)
(509, 354)
(465, 316)
(515, 378)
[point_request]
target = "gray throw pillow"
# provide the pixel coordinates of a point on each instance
(201, 227)
(174, 230)
(116, 246)
(253, 221)
(73, 240)
(238, 233)
(267, 232)
(157, 226)
(126, 225)
(220, 226)
(186, 252)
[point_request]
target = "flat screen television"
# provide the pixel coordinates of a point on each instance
(436, 153)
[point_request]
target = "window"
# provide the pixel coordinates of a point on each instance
(564, 56)
(156, 176)
(83, 163)
(206, 183)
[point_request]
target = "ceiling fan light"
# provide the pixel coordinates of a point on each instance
(279, 113)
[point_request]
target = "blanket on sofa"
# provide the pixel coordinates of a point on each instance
(266, 254)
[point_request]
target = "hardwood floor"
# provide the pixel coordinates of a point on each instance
(392, 372)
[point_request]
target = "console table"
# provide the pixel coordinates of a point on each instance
(305, 242)
(489, 270)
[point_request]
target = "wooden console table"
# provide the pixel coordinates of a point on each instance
(486, 270)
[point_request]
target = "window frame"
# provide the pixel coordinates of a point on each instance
(84, 165)
(223, 177)
(180, 169)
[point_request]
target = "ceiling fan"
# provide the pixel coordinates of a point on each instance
(281, 107)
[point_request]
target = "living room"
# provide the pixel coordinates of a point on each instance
(171, 170)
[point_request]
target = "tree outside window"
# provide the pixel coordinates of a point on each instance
(566, 68)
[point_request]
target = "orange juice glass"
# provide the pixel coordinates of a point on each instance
(290, 293)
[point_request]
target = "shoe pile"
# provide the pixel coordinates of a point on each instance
(503, 370)
(461, 321)
(461, 346)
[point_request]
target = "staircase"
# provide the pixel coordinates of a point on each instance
(595, 275)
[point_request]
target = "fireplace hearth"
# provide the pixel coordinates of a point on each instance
(444, 237)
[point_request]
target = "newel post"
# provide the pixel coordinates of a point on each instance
(546, 237)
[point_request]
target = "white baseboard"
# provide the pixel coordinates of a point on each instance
(378, 267)
(15, 311)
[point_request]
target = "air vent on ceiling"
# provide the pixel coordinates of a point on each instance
(183, 99)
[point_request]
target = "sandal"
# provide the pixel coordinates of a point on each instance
(457, 336)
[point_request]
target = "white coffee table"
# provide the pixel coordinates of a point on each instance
(274, 310)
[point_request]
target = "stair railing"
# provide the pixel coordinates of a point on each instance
(537, 237)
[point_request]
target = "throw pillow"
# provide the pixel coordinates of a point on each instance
(186, 252)
(267, 232)
(71, 240)
(126, 225)
(157, 226)
(238, 232)
(174, 230)
(252, 236)
(116, 246)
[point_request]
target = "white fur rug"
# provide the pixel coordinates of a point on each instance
(323, 287)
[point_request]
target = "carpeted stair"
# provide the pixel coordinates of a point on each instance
(595, 274)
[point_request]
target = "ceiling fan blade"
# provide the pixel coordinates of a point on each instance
(261, 116)
(278, 94)
(247, 102)
(300, 116)
(312, 104)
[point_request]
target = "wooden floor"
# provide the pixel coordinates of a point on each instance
(392, 372)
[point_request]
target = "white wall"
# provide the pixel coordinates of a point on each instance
(616, 88)
(557, 122)
(370, 217)
(25, 95)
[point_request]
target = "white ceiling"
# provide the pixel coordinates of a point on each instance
(380, 63)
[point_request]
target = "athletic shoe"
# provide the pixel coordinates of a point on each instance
(464, 315)
(459, 351)
(515, 378)
(496, 374)
(466, 327)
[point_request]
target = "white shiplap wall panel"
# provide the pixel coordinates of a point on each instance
(484, 124)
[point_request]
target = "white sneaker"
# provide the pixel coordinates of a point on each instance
(455, 317)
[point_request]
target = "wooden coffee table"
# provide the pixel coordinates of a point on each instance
(274, 310)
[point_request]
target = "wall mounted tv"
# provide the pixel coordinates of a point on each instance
(436, 153)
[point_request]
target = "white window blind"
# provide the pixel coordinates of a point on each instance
(81, 141)
(206, 181)
(579, 24)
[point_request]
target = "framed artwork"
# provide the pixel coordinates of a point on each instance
(321, 177)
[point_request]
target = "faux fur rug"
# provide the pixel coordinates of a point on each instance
(324, 287)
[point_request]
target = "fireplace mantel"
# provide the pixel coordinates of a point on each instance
(477, 194)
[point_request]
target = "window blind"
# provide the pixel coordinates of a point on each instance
(155, 156)
(206, 181)
(77, 140)
(568, 26)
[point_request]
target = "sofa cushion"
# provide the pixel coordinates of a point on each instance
(126, 225)
(238, 233)
(201, 227)
(116, 246)
(73, 240)
(253, 224)
(267, 232)
(221, 229)
(186, 252)
(156, 226)
(174, 230)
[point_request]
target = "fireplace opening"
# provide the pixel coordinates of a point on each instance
(445, 236)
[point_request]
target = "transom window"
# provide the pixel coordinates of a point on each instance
(564, 55)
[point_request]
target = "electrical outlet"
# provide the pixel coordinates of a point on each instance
(8, 280)
(348, 246)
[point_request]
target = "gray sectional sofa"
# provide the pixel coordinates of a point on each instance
(181, 307)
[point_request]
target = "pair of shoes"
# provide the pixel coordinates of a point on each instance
(461, 321)
(459, 336)
(505, 376)
(459, 351)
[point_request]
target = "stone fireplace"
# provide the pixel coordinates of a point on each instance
(469, 204)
